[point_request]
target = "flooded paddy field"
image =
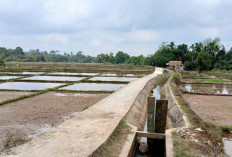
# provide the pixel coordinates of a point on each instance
(53, 78)
(122, 75)
(113, 79)
(8, 77)
(28, 86)
(40, 113)
(5, 95)
(224, 89)
(214, 109)
(72, 74)
(93, 87)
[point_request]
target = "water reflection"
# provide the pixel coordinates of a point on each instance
(8, 77)
(66, 73)
(208, 88)
(53, 78)
(116, 79)
(94, 87)
(28, 85)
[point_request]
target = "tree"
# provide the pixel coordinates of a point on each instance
(121, 57)
(203, 61)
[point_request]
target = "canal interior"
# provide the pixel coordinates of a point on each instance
(153, 151)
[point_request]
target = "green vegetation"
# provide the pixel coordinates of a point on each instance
(206, 55)
(115, 143)
(7, 141)
(210, 80)
(226, 128)
(85, 108)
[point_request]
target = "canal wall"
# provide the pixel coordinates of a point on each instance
(83, 134)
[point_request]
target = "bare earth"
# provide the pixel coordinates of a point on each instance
(31, 117)
(5, 95)
(214, 109)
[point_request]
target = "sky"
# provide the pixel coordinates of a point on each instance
(102, 26)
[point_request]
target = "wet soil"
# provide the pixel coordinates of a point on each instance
(5, 95)
(29, 118)
(214, 109)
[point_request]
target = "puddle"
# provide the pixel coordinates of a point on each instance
(41, 131)
(28, 85)
(66, 73)
(93, 87)
(208, 88)
(227, 146)
(27, 73)
(85, 95)
(53, 78)
(60, 94)
(8, 77)
(114, 79)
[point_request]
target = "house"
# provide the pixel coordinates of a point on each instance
(176, 64)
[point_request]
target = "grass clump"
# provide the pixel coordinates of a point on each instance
(85, 108)
(7, 141)
(226, 128)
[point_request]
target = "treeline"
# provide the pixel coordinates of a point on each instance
(207, 55)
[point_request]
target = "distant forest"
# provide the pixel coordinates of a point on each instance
(207, 55)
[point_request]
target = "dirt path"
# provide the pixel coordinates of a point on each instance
(31, 117)
(214, 109)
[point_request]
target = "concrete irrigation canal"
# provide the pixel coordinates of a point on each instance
(87, 131)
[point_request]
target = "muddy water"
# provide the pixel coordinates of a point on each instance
(66, 73)
(28, 85)
(94, 87)
(228, 146)
(27, 73)
(8, 77)
(208, 88)
(114, 79)
(53, 78)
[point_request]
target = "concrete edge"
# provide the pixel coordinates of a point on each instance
(169, 143)
(129, 143)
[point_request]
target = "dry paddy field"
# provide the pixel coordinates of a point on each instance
(35, 97)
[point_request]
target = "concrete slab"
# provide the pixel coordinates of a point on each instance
(83, 134)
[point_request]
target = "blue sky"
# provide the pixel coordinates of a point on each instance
(102, 26)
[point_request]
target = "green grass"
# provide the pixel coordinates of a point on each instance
(211, 80)
(226, 128)
(7, 141)
(85, 108)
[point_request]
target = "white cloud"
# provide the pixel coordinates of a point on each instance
(101, 26)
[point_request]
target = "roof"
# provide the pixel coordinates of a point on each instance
(174, 63)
